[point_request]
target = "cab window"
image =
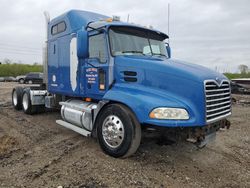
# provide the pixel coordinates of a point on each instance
(97, 47)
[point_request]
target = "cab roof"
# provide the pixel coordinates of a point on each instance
(78, 19)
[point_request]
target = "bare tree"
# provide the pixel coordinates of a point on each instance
(243, 69)
(7, 61)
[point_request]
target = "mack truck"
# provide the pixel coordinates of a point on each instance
(111, 80)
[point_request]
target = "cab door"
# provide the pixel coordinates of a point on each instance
(95, 68)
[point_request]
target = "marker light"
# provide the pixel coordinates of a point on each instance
(169, 113)
(109, 20)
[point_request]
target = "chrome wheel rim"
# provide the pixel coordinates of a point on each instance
(14, 98)
(113, 131)
(30, 82)
(25, 101)
(21, 81)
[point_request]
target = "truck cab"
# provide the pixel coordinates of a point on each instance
(112, 79)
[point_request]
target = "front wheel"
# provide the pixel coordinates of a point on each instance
(118, 131)
(21, 81)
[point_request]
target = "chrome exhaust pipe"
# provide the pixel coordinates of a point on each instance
(45, 50)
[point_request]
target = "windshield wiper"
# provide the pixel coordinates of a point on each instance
(133, 51)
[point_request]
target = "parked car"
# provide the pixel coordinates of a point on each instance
(1, 79)
(9, 79)
(20, 79)
(34, 78)
(237, 88)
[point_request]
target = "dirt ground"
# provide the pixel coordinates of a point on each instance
(36, 152)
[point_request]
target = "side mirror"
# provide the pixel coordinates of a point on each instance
(82, 44)
(168, 50)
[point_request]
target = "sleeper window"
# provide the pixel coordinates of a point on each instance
(58, 28)
(61, 27)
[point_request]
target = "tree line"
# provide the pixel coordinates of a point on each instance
(9, 68)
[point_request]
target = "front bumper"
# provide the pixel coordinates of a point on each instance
(203, 135)
(199, 135)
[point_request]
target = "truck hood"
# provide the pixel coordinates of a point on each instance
(170, 67)
(146, 83)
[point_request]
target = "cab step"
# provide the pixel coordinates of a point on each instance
(74, 128)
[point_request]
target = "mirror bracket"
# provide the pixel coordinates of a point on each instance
(168, 49)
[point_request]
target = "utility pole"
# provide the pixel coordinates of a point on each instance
(168, 22)
(128, 18)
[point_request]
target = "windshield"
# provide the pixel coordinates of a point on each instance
(131, 41)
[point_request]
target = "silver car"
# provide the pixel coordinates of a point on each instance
(20, 79)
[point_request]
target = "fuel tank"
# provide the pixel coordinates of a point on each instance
(79, 113)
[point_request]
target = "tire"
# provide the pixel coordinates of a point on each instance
(117, 120)
(28, 108)
(30, 82)
(17, 98)
(21, 81)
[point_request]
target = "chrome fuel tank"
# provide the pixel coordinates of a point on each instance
(79, 113)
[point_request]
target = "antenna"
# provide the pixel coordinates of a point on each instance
(128, 18)
(168, 22)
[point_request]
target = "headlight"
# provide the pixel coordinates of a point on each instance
(169, 113)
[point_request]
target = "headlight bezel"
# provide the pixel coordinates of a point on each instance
(169, 113)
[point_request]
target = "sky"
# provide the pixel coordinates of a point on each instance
(214, 33)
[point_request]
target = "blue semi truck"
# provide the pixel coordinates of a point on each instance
(113, 79)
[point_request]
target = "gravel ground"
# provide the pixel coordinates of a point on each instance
(36, 152)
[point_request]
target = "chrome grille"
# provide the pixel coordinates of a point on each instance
(218, 100)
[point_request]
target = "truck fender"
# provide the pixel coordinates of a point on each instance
(139, 101)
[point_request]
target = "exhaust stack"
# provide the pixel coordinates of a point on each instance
(45, 50)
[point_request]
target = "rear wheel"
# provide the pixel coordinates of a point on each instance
(118, 131)
(30, 82)
(17, 98)
(28, 108)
